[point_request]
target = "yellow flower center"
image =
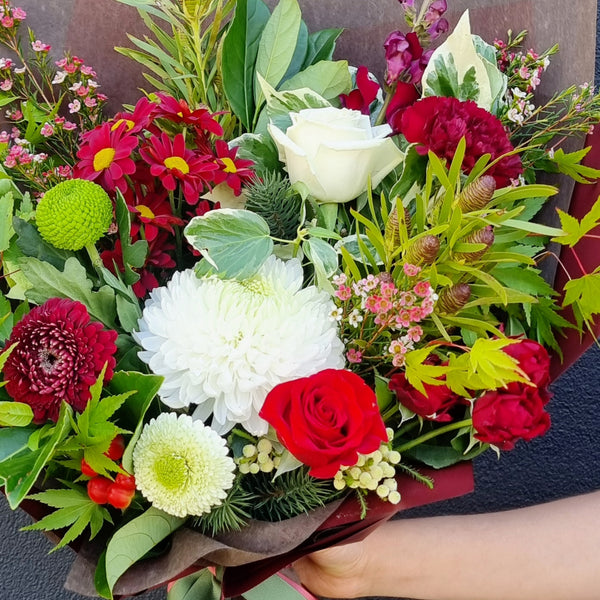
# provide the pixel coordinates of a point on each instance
(176, 162)
(130, 124)
(103, 159)
(229, 165)
(171, 471)
(145, 211)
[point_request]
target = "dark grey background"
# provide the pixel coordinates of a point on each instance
(564, 462)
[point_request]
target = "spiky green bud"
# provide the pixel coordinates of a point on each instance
(74, 214)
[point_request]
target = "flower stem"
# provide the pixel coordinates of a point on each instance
(434, 433)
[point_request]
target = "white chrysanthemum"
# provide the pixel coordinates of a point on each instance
(223, 344)
(182, 466)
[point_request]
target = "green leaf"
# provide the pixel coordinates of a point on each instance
(49, 282)
(75, 511)
(198, 585)
(15, 414)
(526, 280)
(299, 53)
(31, 243)
(437, 457)
(22, 471)
(135, 407)
(584, 294)
(277, 44)
(535, 228)
(324, 259)
(240, 48)
(235, 242)
(134, 255)
(326, 78)
(274, 588)
(132, 541)
(569, 164)
(574, 229)
(321, 45)
(13, 440)
(6, 213)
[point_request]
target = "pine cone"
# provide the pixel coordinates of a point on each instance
(477, 194)
(453, 298)
(423, 251)
(483, 236)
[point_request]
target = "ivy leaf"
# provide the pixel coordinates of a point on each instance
(235, 242)
(75, 510)
(132, 541)
(574, 229)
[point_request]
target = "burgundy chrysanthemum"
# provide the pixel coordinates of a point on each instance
(59, 355)
(438, 124)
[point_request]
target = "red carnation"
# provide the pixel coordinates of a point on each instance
(437, 124)
(59, 355)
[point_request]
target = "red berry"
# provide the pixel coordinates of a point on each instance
(86, 469)
(127, 482)
(116, 448)
(98, 489)
(120, 497)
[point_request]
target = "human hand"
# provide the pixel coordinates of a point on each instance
(336, 572)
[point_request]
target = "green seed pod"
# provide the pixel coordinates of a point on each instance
(477, 194)
(453, 298)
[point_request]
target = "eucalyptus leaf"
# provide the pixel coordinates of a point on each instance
(235, 242)
(132, 541)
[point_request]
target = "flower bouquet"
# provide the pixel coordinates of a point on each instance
(274, 301)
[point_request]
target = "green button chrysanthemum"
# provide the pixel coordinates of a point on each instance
(182, 466)
(74, 214)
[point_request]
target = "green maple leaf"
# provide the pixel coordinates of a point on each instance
(569, 164)
(418, 373)
(584, 294)
(76, 511)
(574, 229)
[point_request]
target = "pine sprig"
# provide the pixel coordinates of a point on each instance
(273, 199)
(287, 495)
(232, 515)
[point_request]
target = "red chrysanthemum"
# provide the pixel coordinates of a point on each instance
(171, 162)
(105, 157)
(233, 171)
(438, 124)
(178, 111)
(141, 117)
(59, 355)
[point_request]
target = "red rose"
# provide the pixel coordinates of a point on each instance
(326, 419)
(433, 406)
(533, 359)
(437, 124)
(501, 417)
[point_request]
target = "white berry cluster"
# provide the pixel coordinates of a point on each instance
(260, 457)
(374, 472)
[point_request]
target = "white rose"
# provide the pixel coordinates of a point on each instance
(334, 151)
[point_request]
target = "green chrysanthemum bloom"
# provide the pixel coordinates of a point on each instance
(74, 214)
(182, 466)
